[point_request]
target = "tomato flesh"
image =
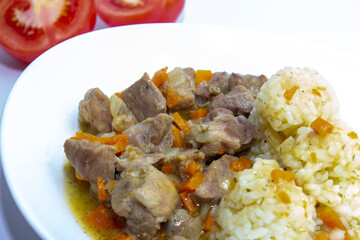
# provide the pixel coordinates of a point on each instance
(124, 12)
(28, 28)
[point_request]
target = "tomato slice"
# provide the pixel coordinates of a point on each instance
(124, 12)
(28, 27)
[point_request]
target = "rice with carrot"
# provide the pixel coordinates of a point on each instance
(297, 113)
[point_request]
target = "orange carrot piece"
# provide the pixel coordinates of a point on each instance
(187, 202)
(192, 182)
(221, 150)
(167, 168)
(119, 141)
(118, 95)
(101, 189)
(208, 223)
(236, 166)
(176, 184)
(247, 163)
(321, 127)
(280, 175)
(202, 75)
(232, 184)
(199, 113)
(79, 177)
(316, 92)
(178, 138)
(290, 92)
(121, 236)
(172, 100)
(101, 218)
(160, 77)
(322, 236)
(192, 167)
(329, 218)
(180, 122)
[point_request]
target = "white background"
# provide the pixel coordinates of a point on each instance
(332, 23)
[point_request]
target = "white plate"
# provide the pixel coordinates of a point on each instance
(41, 111)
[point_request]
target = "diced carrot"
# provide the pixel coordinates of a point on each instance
(160, 77)
(221, 150)
(316, 92)
(118, 95)
(329, 218)
(202, 75)
(280, 175)
(119, 141)
(172, 100)
(180, 122)
(101, 218)
(192, 167)
(199, 113)
(290, 92)
(167, 168)
(208, 223)
(321, 127)
(192, 182)
(101, 189)
(78, 176)
(284, 197)
(187, 202)
(353, 135)
(247, 163)
(322, 236)
(176, 184)
(178, 138)
(236, 166)
(232, 184)
(121, 236)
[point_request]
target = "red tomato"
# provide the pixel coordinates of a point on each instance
(28, 28)
(124, 12)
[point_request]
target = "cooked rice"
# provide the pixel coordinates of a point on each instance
(254, 210)
(327, 168)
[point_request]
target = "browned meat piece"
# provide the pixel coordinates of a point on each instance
(225, 134)
(239, 100)
(210, 190)
(91, 159)
(218, 111)
(182, 82)
(217, 84)
(222, 82)
(181, 160)
(152, 135)
(94, 110)
(251, 82)
(133, 156)
(145, 197)
(144, 99)
(179, 220)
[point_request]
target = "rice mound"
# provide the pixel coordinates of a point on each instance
(254, 210)
(328, 168)
(313, 98)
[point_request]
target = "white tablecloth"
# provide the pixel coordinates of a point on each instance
(333, 23)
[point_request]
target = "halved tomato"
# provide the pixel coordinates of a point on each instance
(28, 27)
(124, 12)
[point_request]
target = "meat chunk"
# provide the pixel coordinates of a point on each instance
(91, 159)
(224, 134)
(182, 82)
(145, 197)
(210, 190)
(94, 110)
(152, 135)
(179, 220)
(144, 99)
(239, 101)
(133, 157)
(218, 112)
(222, 82)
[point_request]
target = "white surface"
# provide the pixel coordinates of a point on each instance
(334, 24)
